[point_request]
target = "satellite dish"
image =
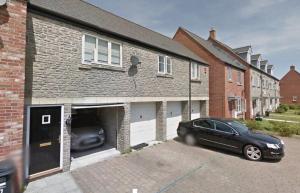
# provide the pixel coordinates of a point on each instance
(135, 60)
(3, 2)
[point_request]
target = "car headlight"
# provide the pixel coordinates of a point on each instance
(272, 146)
(281, 141)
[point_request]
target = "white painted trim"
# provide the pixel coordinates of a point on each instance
(97, 106)
(110, 41)
(97, 100)
(165, 65)
(27, 158)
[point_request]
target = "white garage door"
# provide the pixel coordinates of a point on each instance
(195, 110)
(143, 123)
(174, 116)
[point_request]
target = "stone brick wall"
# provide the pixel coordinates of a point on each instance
(54, 68)
(12, 64)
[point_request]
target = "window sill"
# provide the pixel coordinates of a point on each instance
(196, 80)
(164, 75)
(108, 67)
(102, 66)
(230, 81)
(239, 84)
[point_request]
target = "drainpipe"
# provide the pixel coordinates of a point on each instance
(190, 91)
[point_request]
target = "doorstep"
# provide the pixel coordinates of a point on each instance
(93, 158)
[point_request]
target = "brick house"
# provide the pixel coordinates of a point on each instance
(290, 87)
(263, 85)
(82, 60)
(12, 73)
(226, 76)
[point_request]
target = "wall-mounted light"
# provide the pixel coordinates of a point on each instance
(3, 2)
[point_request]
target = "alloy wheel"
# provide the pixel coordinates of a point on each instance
(253, 153)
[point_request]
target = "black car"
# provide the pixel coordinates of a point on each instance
(86, 131)
(231, 135)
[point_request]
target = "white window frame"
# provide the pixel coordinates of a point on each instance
(239, 105)
(165, 72)
(198, 71)
(229, 73)
(295, 98)
(96, 51)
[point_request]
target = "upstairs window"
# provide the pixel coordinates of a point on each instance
(89, 49)
(100, 51)
(164, 65)
(229, 73)
(239, 81)
(195, 71)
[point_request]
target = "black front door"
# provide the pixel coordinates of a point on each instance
(44, 138)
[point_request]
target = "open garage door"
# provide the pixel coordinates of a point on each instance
(174, 116)
(143, 123)
(195, 110)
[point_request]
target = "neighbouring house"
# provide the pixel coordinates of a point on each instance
(227, 97)
(290, 87)
(268, 93)
(12, 75)
(264, 86)
(82, 61)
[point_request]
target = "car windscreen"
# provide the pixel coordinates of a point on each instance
(241, 128)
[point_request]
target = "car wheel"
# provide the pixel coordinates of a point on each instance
(190, 140)
(253, 153)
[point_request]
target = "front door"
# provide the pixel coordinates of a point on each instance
(44, 138)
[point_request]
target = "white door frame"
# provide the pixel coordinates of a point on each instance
(28, 134)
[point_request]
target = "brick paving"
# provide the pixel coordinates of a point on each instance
(173, 167)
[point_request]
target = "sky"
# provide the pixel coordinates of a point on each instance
(271, 27)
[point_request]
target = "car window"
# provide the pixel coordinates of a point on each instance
(204, 123)
(238, 126)
(223, 127)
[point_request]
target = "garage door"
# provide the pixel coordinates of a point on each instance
(195, 110)
(173, 118)
(143, 123)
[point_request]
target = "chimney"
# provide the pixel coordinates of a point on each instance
(212, 34)
(293, 67)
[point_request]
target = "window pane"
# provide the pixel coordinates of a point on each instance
(89, 48)
(194, 70)
(222, 127)
(229, 73)
(102, 51)
(199, 71)
(115, 53)
(169, 65)
(161, 64)
(204, 123)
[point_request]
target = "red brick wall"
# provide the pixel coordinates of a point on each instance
(247, 79)
(12, 65)
(219, 88)
(289, 87)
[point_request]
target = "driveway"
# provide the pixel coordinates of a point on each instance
(175, 167)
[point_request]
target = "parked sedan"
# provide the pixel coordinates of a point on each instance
(231, 135)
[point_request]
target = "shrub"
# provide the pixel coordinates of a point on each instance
(285, 107)
(297, 112)
(280, 110)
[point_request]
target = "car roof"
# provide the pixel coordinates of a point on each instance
(226, 120)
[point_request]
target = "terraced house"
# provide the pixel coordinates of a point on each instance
(264, 88)
(241, 83)
(84, 62)
(227, 83)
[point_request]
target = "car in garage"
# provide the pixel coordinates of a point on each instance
(231, 135)
(86, 132)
